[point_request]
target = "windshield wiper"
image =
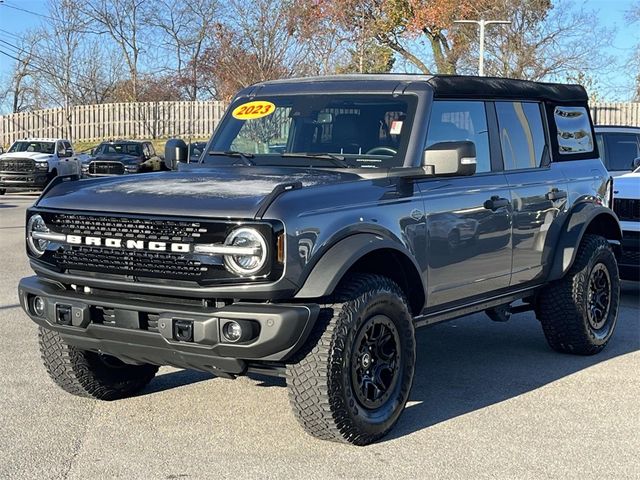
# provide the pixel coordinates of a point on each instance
(336, 159)
(245, 157)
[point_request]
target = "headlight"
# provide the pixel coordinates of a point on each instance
(42, 167)
(246, 264)
(36, 224)
(131, 168)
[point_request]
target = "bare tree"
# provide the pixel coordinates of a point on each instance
(254, 41)
(22, 90)
(545, 41)
(124, 21)
(186, 27)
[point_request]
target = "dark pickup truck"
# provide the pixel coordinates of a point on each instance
(327, 219)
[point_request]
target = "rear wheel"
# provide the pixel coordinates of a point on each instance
(89, 374)
(352, 380)
(578, 313)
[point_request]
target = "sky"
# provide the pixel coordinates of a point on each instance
(614, 85)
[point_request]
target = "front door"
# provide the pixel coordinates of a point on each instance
(468, 217)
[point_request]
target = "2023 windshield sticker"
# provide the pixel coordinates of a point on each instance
(252, 110)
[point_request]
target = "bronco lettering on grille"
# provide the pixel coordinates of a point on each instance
(130, 244)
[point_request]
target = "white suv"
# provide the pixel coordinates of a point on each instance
(619, 148)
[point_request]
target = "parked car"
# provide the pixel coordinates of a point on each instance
(626, 204)
(315, 261)
(119, 157)
(30, 164)
(195, 151)
(619, 148)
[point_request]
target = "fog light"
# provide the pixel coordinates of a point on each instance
(232, 331)
(38, 306)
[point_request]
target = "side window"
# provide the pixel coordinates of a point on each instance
(453, 121)
(59, 148)
(574, 130)
(151, 150)
(522, 134)
(145, 150)
(622, 150)
(67, 145)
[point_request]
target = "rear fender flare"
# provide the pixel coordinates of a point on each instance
(585, 218)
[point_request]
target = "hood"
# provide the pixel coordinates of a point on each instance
(124, 158)
(37, 156)
(627, 186)
(234, 192)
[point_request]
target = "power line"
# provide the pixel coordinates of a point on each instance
(2, 4)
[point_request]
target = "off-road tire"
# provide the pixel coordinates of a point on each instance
(88, 374)
(321, 387)
(562, 306)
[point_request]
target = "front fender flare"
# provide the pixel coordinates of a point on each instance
(338, 259)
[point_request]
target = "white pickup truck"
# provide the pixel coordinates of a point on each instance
(30, 164)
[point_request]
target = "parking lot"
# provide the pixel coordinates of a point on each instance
(490, 400)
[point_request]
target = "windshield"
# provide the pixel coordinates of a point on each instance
(362, 131)
(39, 147)
(134, 149)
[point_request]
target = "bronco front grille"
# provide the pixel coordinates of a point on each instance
(627, 209)
(134, 228)
(106, 168)
(151, 264)
(17, 165)
(140, 263)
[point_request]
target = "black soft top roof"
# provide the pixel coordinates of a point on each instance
(448, 86)
(443, 86)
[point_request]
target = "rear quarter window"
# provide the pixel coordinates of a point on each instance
(573, 129)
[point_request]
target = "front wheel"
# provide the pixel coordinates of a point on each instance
(352, 380)
(578, 313)
(89, 374)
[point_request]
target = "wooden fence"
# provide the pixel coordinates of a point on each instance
(179, 119)
(115, 120)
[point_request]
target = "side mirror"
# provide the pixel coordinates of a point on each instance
(175, 151)
(635, 164)
(451, 158)
(66, 153)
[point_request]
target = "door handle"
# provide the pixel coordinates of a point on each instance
(555, 194)
(496, 202)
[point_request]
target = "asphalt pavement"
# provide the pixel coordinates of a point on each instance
(490, 400)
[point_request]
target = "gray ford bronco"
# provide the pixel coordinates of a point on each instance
(326, 220)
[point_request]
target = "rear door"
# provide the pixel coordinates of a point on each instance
(538, 190)
(468, 217)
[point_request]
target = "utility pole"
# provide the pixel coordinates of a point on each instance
(483, 24)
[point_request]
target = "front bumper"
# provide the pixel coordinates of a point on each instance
(16, 182)
(282, 328)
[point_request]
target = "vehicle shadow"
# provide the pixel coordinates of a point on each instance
(471, 363)
(178, 378)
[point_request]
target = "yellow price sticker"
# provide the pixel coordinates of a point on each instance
(251, 110)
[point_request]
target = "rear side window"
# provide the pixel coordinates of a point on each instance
(622, 149)
(574, 130)
(522, 135)
(454, 121)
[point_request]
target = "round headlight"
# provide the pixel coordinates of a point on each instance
(36, 224)
(253, 241)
